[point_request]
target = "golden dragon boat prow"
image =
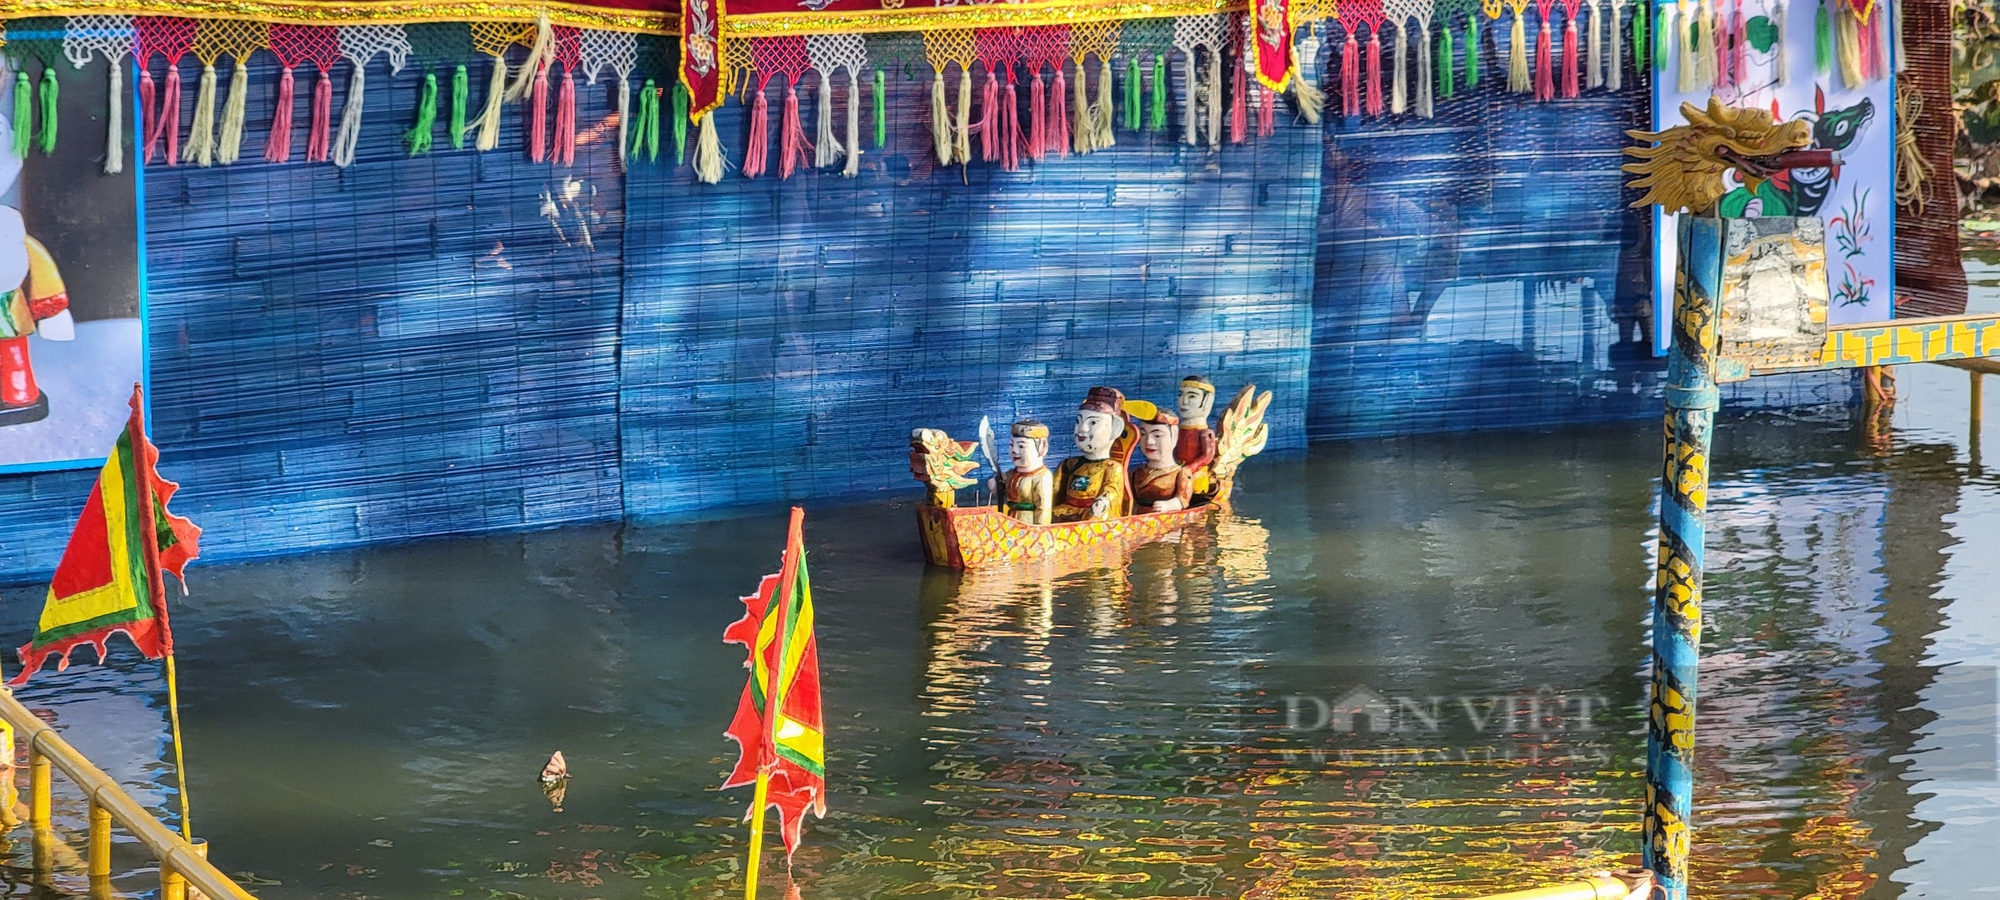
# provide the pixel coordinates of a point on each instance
(1097, 500)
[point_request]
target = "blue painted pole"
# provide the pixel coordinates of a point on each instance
(1690, 419)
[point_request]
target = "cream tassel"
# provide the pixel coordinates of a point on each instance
(230, 145)
(1704, 50)
(538, 54)
(200, 148)
(1778, 61)
(349, 135)
(827, 151)
(1593, 59)
(1684, 42)
(853, 123)
(1305, 86)
(114, 125)
(1107, 135)
(1082, 120)
(489, 118)
(964, 137)
(1424, 107)
(1518, 79)
(1902, 55)
(1215, 98)
(624, 120)
(707, 151)
(940, 120)
(1399, 95)
(1187, 102)
(1614, 71)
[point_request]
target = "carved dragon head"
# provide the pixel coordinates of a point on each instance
(1682, 169)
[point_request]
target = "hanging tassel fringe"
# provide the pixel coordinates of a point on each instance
(854, 123)
(319, 136)
(489, 118)
(1663, 41)
(881, 107)
(114, 133)
(1847, 48)
(1472, 51)
(624, 121)
(941, 137)
(418, 138)
(538, 117)
(755, 154)
(1010, 137)
(24, 115)
(1084, 134)
(200, 148)
(1593, 61)
(652, 122)
(1739, 47)
(1779, 60)
(1187, 102)
(566, 120)
(1424, 104)
(532, 69)
(350, 119)
(1545, 82)
(1239, 110)
(1519, 81)
(149, 126)
(1374, 86)
(1569, 85)
(826, 150)
(1132, 93)
(51, 97)
(989, 124)
(278, 145)
(1101, 113)
(1446, 55)
(1061, 129)
(170, 114)
(1038, 116)
(708, 160)
(1399, 92)
(646, 128)
(1614, 65)
(1214, 98)
(229, 145)
(1350, 77)
(793, 142)
(460, 92)
(962, 148)
(1158, 119)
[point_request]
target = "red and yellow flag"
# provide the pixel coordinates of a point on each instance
(785, 736)
(109, 578)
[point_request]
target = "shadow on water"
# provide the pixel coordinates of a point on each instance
(1399, 669)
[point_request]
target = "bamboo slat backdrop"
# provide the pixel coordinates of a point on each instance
(462, 342)
(1930, 281)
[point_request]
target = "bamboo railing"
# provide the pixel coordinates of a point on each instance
(184, 868)
(1625, 884)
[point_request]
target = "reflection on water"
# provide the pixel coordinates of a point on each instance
(1398, 667)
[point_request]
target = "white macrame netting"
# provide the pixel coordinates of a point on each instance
(620, 50)
(828, 53)
(1401, 13)
(1193, 33)
(110, 37)
(361, 43)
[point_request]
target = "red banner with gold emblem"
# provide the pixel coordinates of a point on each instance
(1271, 32)
(702, 69)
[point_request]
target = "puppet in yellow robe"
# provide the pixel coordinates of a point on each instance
(32, 300)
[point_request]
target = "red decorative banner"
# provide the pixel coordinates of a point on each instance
(1273, 36)
(702, 69)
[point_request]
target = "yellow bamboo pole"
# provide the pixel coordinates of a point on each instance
(172, 885)
(100, 841)
(180, 766)
(38, 811)
(773, 697)
(1601, 886)
(756, 834)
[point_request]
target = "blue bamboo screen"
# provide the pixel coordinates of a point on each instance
(464, 342)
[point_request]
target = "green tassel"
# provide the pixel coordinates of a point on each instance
(1158, 120)
(1640, 16)
(1446, 53)
(1132, 97)
(419, 136)
(646, 133)
(458, 95)
(50, 92)
(24, 115)
(1663, 38)
(681, 99)
(881, 109)
(1822, 41)
(1472, 51)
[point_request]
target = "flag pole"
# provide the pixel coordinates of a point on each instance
(150, 546)
(180, 767)
(788, 574)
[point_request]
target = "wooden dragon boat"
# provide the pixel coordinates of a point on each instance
(984, 536)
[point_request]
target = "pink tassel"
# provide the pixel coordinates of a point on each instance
(278, 146)
(1059, 114)
(538, 117)
(989, 127)
(1350, 79)
(1545, 79)
(1238, 113)
(760, 135)
(1569, 60)
(150, 128)
(566, 120)
(1267, 104)
(1010, 143)
(1038, 119)
(1375, 72)
(792, 143)
(318, 143)
(1739, 46)
(170, 114)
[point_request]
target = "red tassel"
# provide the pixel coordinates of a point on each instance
(989, 126)
(170, 114)
(1239, 88)
(1059, 114)
(1350, 79)
(1267, 107)
(1038, 119)
(792, 143)
(318, 143)
(1010, 143)
(1545, 80)
(150, 128)
(1375, 72)
(538, 117)
(760, 135)
(566, 120)
(1569, 60)
(1739, 47)
(278, 146)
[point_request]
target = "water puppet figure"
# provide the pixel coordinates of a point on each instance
(1027, 491)
(1196, 447)
(1091, 485)
(1161, 484)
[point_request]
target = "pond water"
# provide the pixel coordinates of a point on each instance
(369, 724)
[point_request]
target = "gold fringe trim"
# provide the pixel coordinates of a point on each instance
(306, 12)
(998, 15)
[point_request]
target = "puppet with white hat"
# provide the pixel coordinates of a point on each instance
(32, 298)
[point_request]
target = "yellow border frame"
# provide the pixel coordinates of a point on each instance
(299, 12)
(996, 15)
